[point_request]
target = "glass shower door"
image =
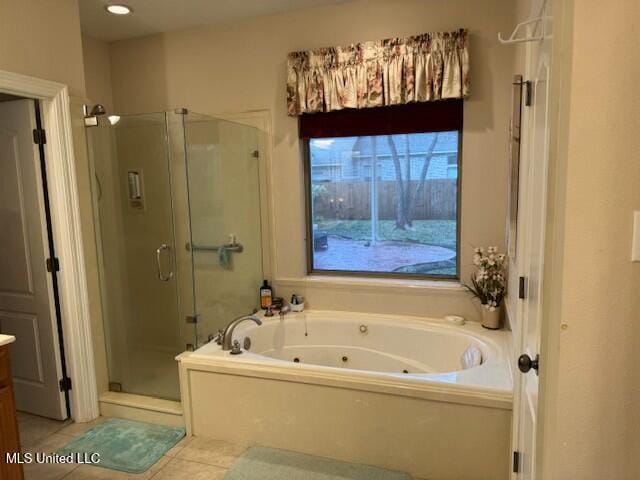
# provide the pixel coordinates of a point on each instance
(223, 177)
(137, 253)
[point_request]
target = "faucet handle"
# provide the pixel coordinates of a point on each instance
(236, 349)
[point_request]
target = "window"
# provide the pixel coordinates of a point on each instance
(382, 196)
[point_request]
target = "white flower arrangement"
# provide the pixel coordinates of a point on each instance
(489, 282)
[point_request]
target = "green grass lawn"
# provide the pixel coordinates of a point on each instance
(446, 268)
(430, 232)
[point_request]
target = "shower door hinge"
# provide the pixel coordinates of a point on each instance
(516, 462)
(91, 121)
(192, 318)
(39, 136)
(115, 387)
(65, 384)
(53, 265)
(255, 154)
(181, 111)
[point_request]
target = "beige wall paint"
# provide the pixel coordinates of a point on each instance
(592, 388)
(41, 38)
(97, 71)
(241, 67)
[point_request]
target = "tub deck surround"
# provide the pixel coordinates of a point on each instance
(438, 421)
(335, 352)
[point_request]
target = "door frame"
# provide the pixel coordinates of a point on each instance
(67, 235)
(552, 279)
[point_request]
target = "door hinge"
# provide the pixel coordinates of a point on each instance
(192, 318)
(39, 136)
(255, 154)
(53, 265)
(516, 462)
(65, 384)
(522, 284)
(528, 93)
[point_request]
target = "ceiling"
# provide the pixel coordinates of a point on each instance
(155, 16)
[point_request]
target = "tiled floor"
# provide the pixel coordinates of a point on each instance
(193, 458)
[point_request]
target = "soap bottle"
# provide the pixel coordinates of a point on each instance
(266, 295)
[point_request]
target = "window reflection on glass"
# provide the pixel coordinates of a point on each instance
(385, 204)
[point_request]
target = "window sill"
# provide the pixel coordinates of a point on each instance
(359, 284)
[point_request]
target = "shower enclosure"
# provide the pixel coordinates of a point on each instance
(177, 215)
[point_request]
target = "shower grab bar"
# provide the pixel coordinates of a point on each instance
(230, 247)
(161, 276)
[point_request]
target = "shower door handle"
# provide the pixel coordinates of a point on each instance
(163, 248)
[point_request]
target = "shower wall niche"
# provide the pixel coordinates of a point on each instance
(177, 214)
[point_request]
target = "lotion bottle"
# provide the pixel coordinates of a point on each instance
(266, 295)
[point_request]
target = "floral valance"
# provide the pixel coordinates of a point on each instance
(431, 66)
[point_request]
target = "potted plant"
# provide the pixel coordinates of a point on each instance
(488, 284)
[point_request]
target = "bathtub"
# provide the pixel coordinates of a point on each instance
(383, 390)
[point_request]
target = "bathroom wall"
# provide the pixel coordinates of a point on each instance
(41, 38)
(241, 67)
(97, 70)
(592, 383)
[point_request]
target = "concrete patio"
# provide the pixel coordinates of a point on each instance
(386, 256)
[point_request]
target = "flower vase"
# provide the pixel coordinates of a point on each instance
(491, 319)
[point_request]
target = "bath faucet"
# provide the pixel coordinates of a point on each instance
(227, 335)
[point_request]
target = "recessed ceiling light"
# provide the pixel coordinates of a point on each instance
(118, 9)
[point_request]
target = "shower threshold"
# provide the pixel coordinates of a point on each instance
(141, 408)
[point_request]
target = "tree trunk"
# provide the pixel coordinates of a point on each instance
(407, 193)
(401, 210)
(423, 175)
(406, 199)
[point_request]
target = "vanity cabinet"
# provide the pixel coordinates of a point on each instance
(9, 439)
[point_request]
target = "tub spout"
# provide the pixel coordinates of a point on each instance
(227, 335)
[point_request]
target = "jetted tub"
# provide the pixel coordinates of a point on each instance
(383, 390)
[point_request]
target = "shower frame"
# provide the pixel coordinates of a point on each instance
(261, 122)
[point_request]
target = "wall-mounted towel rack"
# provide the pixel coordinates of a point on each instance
(230, 247)
(540, 29)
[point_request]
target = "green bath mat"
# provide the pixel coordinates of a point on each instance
(259, 463)
(126, 445)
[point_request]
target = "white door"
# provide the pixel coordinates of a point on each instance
(27, 304)
(535, 153)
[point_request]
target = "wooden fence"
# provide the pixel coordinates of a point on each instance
(352, 200)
